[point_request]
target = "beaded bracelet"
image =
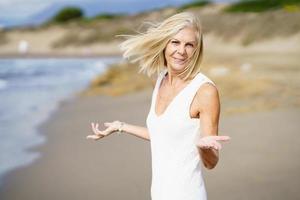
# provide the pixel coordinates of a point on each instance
(120, 129)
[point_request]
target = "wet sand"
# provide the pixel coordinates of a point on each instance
(261, 161)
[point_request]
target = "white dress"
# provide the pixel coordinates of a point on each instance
(176, 163)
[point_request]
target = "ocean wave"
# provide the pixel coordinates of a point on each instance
(3, 84)
(35, 89)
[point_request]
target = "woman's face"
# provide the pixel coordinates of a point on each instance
(180, 48)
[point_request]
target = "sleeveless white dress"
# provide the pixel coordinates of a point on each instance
(176, 163)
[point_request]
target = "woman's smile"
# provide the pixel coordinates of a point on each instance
(180, 61)
(180, 48)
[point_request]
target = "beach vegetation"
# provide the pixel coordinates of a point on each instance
(106, 16)
(194, 4)
(67, 14)
(261, 5)
(119, 79)
(90, 36)
(3, 37)
(100, 17)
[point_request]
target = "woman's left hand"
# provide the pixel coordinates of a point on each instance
(212, 142)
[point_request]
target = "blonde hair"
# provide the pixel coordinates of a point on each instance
(148, 48)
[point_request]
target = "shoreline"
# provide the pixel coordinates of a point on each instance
(59, 56)
(212, 51)
(71, 167)
(52, 139)
(26, 135)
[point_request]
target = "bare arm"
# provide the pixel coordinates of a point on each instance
(138, 131)
(209, 108)
(114, 126)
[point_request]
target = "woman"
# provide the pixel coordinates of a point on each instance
(182, 124)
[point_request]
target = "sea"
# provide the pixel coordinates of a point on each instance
(30, 90)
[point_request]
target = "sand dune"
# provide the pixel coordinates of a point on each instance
(244, 32)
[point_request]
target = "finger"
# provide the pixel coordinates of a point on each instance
(214, 147)
(204, 144)
(93, 126)
(212, 144)
(89, 137)
(220, 138)
(94, 129)
(209, 143)
(217, 145)
(94, 137)
(98, 132)
(107, 124)
(105, 132)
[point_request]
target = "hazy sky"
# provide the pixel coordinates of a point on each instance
(14, 12)
(16, 9)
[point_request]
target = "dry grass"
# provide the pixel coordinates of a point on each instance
(257, 90)
(119, 79)
(250, 27)
(240, 92)
(244, 27)
(89, 36)
(3, 37)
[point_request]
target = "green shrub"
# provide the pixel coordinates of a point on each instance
(67, 14)
(3, 37)
(194, 4)
(260, 5)
(107, 16)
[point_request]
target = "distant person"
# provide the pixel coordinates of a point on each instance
(182, 124)
(23, 46)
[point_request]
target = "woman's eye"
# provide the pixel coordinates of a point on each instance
(190, 45)
(174, 42)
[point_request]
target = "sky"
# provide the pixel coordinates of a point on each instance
(14, 12)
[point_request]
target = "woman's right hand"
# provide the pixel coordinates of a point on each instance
(111, 127)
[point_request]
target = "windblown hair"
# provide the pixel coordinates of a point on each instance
(148, 48)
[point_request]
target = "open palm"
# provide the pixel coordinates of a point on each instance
(209, 142)
(111, 127)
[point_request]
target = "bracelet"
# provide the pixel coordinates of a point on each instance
(120, 129)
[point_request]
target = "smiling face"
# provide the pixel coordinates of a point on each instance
(180, 49)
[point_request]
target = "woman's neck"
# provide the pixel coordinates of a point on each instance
(173, 79)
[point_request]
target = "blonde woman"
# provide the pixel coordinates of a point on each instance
(182, 124)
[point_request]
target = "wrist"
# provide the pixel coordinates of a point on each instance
(121, 127)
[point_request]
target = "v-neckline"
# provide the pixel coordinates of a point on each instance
(173, 99)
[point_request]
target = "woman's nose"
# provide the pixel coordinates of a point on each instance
(181, 49)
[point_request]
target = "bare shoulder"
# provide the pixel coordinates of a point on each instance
(207, 90)
(207, 96)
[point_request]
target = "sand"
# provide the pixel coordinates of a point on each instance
(260, 162)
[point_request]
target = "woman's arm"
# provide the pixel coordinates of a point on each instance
(208, 102)
(115, 126)
(138, 131)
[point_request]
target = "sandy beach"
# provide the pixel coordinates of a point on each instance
(260, 162)
(255, 65)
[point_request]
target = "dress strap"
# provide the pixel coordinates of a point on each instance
(156, 87)
(193, 89)
(159, 78)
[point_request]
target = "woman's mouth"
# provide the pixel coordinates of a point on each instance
(179, 61)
